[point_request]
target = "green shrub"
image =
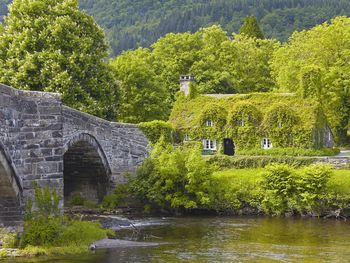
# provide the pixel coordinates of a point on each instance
(80, 233)
(279, 187)
(41, 231)
(3, 254)
(111, 233)
(9, 239)
(289, 190)
(46, 204)
(241, 162)
(117, 198)
(173, 178)
(45, 226)
(232, 190)
(289, 152)
(154, 130)
(109, 202)
(77, 199)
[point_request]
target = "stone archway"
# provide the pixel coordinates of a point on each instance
(86, 170)
(11, 209)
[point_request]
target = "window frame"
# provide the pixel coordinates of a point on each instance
(209, 123)
(209, 144)
(266, 143)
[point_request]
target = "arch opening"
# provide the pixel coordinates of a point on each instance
(85, 173)
(10, 194)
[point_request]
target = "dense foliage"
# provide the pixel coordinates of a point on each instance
(150, 78)
(223, 162)
(173, 178)
(143, 95)
(131, 24)
(50, 45)
(181, 179)
(154, 130)
(288, 190)
(284, 118)
(315, 64)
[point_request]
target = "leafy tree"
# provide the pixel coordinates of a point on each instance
(211, 68)
(143, 95)
(221, 65)
(50, 45)
(250, 28)
(250, 67)
(173, 55)
(315, 64)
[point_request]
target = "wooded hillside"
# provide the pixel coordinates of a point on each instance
(134, 23)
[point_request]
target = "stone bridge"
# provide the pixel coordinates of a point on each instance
(45, 143)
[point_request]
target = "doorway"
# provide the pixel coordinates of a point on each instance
(229, 147)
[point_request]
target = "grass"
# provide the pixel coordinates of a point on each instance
(240, 176)
(74, 237)
(339, 181)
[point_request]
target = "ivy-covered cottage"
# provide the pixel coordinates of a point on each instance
(237, 122)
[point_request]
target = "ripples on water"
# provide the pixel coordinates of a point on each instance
(227, 239)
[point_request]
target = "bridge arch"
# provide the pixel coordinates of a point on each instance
(86, 169)
(11, 191)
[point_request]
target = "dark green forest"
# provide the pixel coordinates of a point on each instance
(134, 23)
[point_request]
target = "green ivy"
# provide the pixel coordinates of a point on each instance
(215, 113)
(286, 119)
(243, 123)
(281, 125)
(156, 129)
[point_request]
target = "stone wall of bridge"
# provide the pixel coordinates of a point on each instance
(45, 143)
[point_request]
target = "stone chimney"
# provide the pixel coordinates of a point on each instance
(185, 84)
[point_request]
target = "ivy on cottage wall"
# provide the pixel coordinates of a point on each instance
(287, 120)
(280, 125)
(243, 126)
(218, 116)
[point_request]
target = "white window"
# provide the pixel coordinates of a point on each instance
(209, 123)
(187, 138)
(209, 144)
(241, 123)
(266, 143)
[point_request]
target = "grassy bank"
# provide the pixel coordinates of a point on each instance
(180, 180)
(47, 232)
(339, 180)
(281, 190)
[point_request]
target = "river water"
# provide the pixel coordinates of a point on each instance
(226, 239)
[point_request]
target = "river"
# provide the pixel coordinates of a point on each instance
(225, 239)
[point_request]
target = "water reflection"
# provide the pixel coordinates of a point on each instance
(231, 240)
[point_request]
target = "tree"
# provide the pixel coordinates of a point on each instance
(250, 68)
(316, 64)
(50, 45)
(211, 68)
(173, 56)
(250, 28)
(143, 95)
